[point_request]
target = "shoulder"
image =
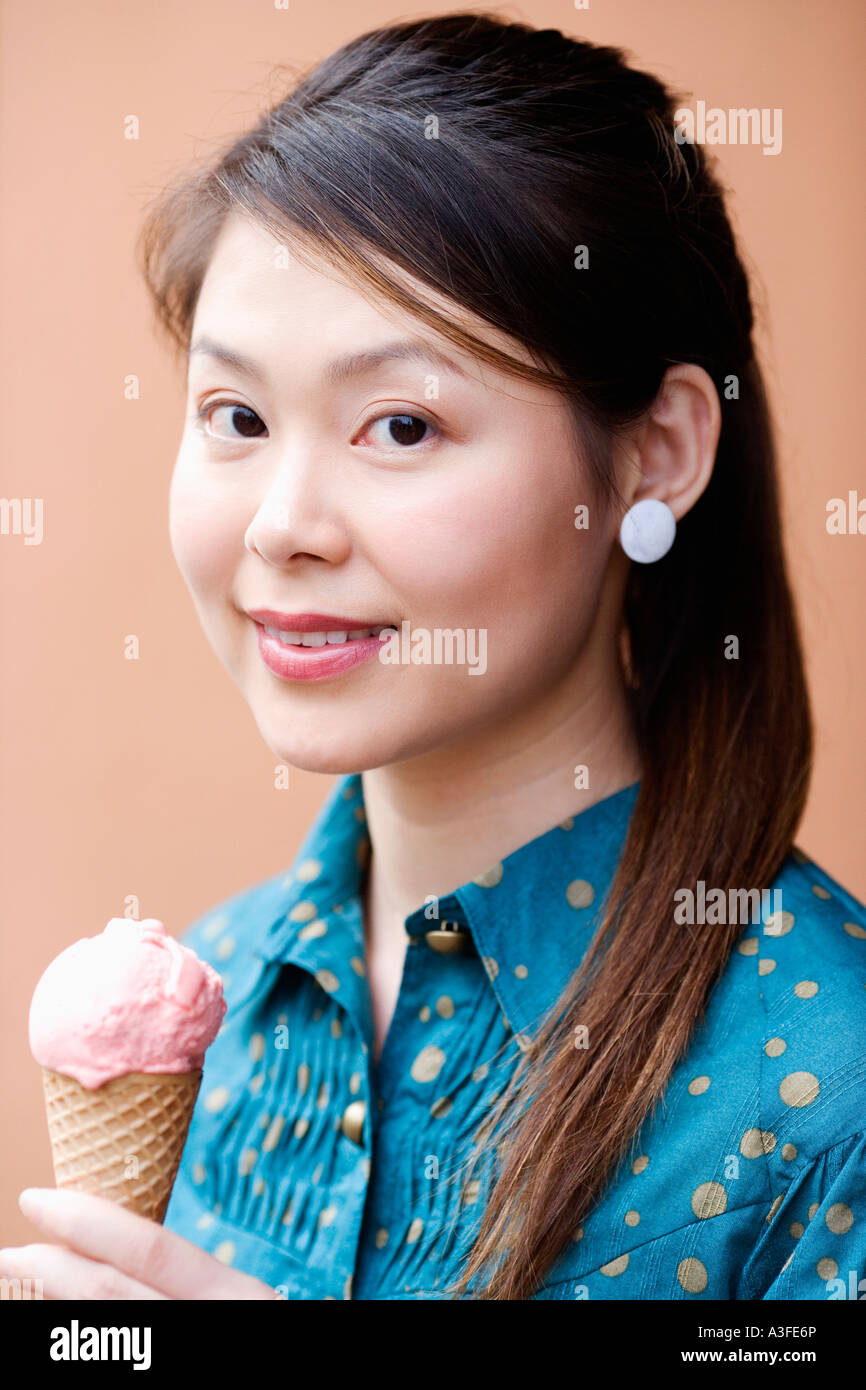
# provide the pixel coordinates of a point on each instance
(815, 928)
(811, 960)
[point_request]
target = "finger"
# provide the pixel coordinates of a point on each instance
(67, 1275)
(143, 1249)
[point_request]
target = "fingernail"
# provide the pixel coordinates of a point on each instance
(32, 1198)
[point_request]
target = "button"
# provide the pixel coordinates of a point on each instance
(449, 939)
(352, 1122)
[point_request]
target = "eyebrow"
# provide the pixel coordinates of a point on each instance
(341, 368)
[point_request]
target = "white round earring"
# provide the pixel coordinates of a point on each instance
(647, 530)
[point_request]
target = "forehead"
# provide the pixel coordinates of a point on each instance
(259, 282)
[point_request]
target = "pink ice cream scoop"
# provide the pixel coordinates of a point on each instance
(129, 1000)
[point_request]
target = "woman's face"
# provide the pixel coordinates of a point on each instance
(304, 489)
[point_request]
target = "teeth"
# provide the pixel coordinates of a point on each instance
(321, 639)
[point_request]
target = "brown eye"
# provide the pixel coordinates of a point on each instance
(404, 430)
(234, 417)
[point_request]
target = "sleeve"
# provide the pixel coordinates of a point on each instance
(813, 1245)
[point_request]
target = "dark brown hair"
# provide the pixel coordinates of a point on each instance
(542, 144)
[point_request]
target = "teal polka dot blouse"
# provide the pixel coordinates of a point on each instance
(331, 1177)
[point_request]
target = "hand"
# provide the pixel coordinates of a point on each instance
(109, 1252)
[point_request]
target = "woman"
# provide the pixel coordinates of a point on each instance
(548, 1006)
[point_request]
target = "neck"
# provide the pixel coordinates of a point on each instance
(440, 819)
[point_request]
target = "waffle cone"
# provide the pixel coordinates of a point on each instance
(123, 1140)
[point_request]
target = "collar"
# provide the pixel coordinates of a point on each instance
(531, 915)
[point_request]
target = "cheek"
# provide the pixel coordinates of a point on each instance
(206, 536)
(501, 547)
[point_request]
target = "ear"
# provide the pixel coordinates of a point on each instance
(671, 453)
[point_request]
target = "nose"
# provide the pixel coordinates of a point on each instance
(297, 515)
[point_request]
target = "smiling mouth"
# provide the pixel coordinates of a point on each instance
(289, 638)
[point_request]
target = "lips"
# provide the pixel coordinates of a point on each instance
(315, 646)
(313, 622)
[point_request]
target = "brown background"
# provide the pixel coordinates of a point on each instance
(149, 777)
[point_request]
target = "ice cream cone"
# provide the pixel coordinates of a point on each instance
(119, 1024)
(124, 1139)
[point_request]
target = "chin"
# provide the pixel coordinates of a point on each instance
(322, 745)
(325, 749)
